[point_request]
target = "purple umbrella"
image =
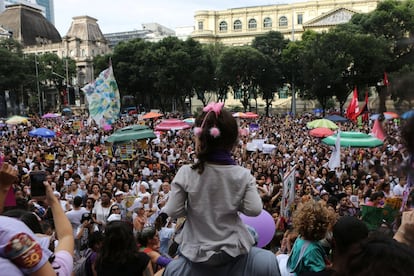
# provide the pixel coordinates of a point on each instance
(50, 115)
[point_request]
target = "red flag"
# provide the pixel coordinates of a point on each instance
(385, 81)
(364, 110)
(353, 108)
(377, 130)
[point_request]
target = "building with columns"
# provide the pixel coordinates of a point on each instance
(239, 26)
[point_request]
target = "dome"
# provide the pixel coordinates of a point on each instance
(28, 25)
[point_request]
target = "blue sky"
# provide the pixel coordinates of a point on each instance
(127, 15)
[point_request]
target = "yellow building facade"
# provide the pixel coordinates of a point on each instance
(239, 26)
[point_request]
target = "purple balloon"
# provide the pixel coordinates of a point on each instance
(264, 226)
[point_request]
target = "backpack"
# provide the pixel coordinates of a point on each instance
(80, 268)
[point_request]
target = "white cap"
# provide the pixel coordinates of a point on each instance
(114, 217)
(145, 184)
(119, 193)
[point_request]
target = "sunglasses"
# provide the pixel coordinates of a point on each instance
(115, 209)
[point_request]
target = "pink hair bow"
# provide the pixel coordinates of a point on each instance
(215, 107)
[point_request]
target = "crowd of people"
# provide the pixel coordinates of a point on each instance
(172, 204)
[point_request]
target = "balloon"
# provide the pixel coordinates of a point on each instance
(264, 226)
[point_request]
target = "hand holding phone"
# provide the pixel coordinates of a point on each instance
(8, 175)
(37, 187)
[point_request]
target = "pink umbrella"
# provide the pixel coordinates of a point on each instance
(321, 132)
(107, 127)
(172, 124)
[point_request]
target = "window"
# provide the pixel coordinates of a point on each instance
(83, 53)
(237, 25)
(200, 25)
(223, 26)
(300, 19)
(267, 22)
(283, 22)
(252, 24)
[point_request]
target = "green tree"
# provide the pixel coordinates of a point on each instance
(271, 45)
(17, 76)
(242, 68)
(131, 65)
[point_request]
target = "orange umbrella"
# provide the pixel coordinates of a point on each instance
(393, 115)
(151, 115)
(238, 115)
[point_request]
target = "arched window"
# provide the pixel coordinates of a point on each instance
(252, 24)
(237, 25)
(223, 26)
(283, 21)
(267, 22)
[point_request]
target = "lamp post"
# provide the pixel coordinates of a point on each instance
(39, 95)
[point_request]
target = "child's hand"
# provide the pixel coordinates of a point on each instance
(8, 175)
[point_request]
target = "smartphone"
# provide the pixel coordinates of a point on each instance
(37, 188)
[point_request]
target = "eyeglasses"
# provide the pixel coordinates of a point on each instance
(115, 209)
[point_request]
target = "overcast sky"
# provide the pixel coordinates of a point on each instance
(127, 15)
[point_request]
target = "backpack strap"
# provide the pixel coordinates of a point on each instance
(305, 246)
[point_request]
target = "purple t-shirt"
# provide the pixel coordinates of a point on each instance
(63, 263)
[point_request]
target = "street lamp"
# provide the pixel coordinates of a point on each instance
(39, 95)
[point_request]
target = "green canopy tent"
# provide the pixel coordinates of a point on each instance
(354, 140)
(134, 132)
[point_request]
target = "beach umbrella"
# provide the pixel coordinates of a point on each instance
(190, 121)
(363, 142)
(336, 118)
(50, 116)
(391, 114)
(321, 132)
(42, 132)
(249, 115)
(408, 114)
(152, 115)
(129, 133)
(322, 123)
(172, 124)
(16, 119)
(387, 116)
(238, 115)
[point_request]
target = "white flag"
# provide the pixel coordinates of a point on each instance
(288, 196)
(335, 160)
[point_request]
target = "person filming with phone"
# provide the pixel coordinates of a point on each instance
(24, 253)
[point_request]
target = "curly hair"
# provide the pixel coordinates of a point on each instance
(229, 133)
(311, 221)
